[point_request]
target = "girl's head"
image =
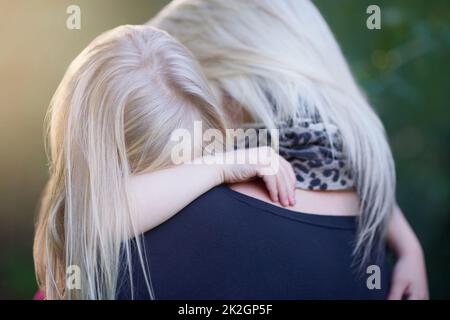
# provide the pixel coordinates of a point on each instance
(111, 117)
(278, 60)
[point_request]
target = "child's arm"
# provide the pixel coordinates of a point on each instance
(161, 194)
(409, 278)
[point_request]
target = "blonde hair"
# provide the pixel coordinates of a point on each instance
(278, 60)
(110, 118)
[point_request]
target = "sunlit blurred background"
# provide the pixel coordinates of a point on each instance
(404, 68)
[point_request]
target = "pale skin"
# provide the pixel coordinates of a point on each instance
(409, 276)
(160, 195)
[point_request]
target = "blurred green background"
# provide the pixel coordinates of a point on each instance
(404, 68)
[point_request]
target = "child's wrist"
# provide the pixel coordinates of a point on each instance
(217, 170)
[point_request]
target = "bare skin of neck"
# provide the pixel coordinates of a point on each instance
(335, 203)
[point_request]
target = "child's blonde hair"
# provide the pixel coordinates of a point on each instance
(111, 117)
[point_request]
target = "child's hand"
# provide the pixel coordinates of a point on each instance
(262, 162)
(409, 279)
(409, 276)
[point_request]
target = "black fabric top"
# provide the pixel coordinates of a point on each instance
(226, 245)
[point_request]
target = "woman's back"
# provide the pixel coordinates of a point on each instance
(227, 245)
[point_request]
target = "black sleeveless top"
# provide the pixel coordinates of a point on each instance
(226, 245)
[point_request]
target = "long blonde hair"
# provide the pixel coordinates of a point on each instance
(279, 60)
(110, 118)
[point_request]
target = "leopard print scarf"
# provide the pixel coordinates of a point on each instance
(317, 164)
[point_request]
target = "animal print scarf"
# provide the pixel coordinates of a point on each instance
(318, 164)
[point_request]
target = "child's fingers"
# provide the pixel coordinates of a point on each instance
(271, 185)
(397, 290)
(283, 193)
(291, 173)
(290, 186)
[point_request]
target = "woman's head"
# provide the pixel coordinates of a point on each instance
(112, 116)
(278, 60)
(261, 51)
